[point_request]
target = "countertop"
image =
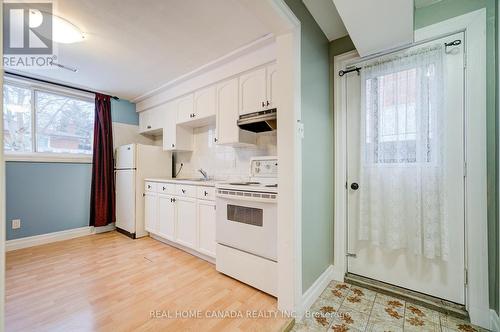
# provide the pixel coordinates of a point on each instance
(183, 181)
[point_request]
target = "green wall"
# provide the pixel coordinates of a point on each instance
(317, 148)
(436, 13)
(440, 12)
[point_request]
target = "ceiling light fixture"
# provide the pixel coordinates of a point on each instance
(63, 31)
(74, 70)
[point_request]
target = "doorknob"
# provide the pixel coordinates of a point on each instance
(354, 186)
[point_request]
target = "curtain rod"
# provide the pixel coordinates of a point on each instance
(353, 66)
(53, 83)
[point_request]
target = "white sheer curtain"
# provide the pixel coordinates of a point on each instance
(401, 175)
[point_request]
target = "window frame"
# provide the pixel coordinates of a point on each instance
(35, 156)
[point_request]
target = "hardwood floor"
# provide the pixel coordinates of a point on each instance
(108, 282)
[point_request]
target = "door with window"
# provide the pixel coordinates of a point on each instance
(405, 146)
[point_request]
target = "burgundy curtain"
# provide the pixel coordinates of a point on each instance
(102, 195)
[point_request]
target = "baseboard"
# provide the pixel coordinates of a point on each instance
(494, 321)
(338, 275)
(37, 240)
(103, 229)
(310, 296)
(183, 248)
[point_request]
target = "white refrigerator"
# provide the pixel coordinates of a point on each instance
(133, 164)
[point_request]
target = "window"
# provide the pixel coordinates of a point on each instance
(393, 125)
(41, 121)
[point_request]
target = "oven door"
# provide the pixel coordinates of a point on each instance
(248, 225)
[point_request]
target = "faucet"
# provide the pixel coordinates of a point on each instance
(205, 175)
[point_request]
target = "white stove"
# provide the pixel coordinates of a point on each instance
(246, 226)
(263, 177)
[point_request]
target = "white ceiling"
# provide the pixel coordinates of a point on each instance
(133, 47)
(375, 26)
(327, 17)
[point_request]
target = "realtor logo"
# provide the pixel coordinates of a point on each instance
(27, 35)
(27, 28)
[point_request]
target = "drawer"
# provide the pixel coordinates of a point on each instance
(185, 190)
(207, 193)
(166, 188)
(150, 186)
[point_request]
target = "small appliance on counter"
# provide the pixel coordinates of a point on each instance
(134, 163)
(246, 226)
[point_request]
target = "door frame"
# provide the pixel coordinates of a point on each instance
(473, 25)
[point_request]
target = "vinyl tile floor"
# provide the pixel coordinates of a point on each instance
(343, 307)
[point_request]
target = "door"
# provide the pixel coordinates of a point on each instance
(253, 91)
(125, 157)
(169, 128)
(186, 221)
(405, 171)
(206, 227)
(185, 108)
(125, 200)
(227, 112)
(144, 121)
(166, 217)
(204, 103)
(271, 85)
(151, 212)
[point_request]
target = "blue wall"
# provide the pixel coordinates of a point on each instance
(124, 112)
(51, 197)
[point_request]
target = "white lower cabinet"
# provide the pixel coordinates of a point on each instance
(166, 217)
(188, 220)
(206, 227)
(150, 212)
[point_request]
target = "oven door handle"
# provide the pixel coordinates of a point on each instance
(249, 198)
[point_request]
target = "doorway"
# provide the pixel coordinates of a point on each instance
(405, 169)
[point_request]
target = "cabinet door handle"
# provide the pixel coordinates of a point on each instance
(206, 193)
(215, 139)
(173, 145)
(173, 200)
(149, 127)
(149, 187)
(263, 104)
(164, 188)
(183, 191)
(268, 103)
(194, 115)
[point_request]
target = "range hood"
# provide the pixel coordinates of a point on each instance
(258, 122)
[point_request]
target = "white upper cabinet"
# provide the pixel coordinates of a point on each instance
(228, 131)
(253, 91)
(271, 81)
(222, 103)
(150, 121)
(204, 103)
(185, 108)
(198, 109)
(175, 137)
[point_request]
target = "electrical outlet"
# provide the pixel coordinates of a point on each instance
(16, 223)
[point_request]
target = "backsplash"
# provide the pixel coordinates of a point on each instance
(222, 162)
